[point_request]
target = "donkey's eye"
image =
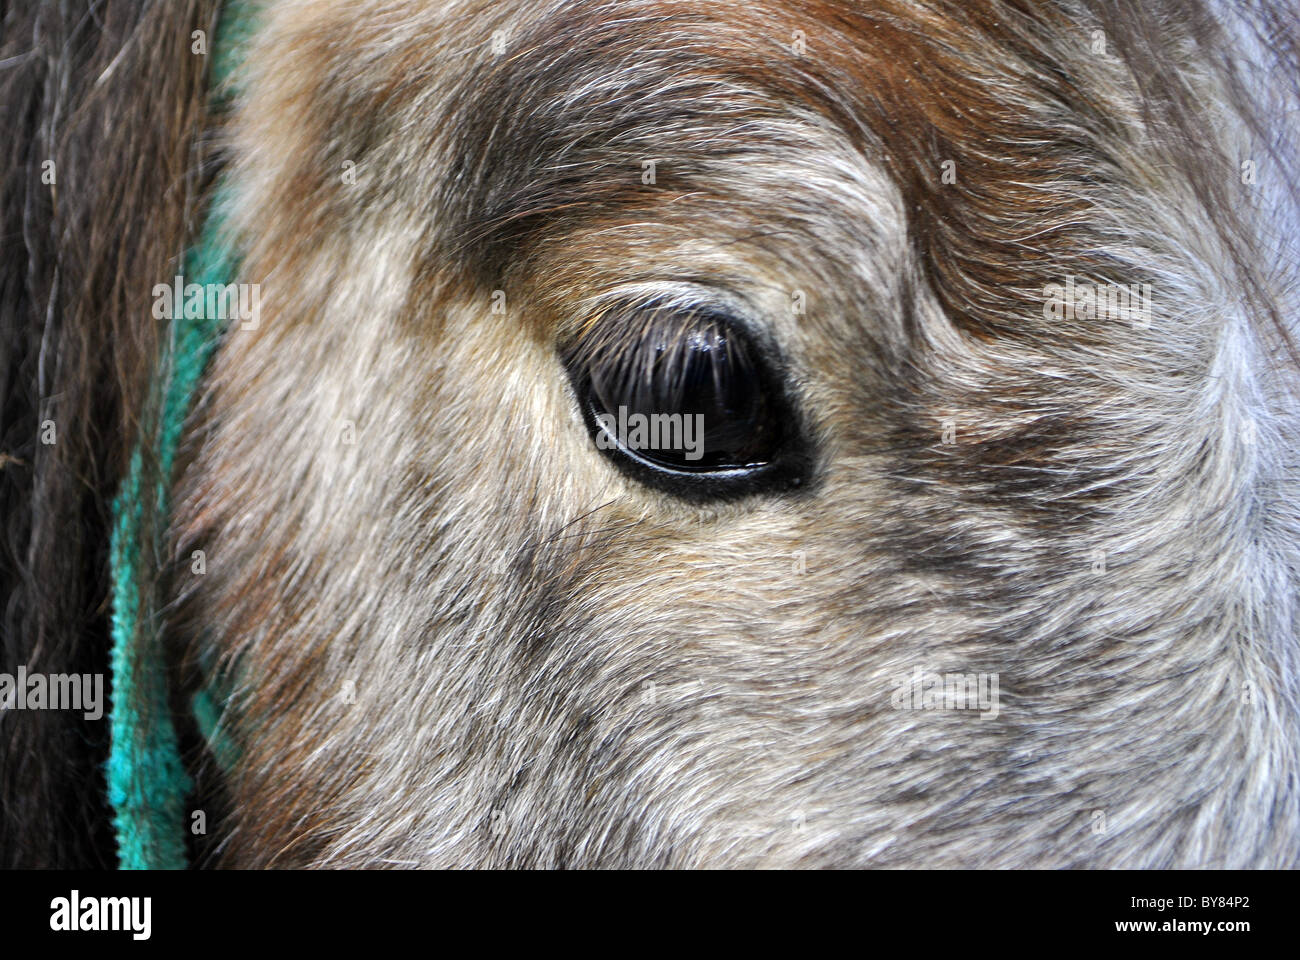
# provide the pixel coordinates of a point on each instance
(694, 404)
(686, 403)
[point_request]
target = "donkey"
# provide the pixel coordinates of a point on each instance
(986, 555)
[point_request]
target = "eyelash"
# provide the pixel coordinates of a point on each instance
(649, 357)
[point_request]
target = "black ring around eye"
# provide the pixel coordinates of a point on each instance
(689, 405)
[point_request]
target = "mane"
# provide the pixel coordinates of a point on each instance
(113, 96)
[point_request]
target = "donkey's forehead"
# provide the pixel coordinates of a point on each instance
(661, 135)
(767, 133)
(831, 146)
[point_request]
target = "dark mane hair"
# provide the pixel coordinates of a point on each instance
(112, 95)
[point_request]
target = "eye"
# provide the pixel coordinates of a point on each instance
(687, 402)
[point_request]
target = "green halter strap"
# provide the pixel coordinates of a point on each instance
(147, 782)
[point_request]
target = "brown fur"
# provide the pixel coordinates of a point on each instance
(499, 596)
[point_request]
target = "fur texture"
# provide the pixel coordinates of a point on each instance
(453, 634)
(499, 598)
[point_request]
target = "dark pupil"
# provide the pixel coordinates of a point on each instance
(706, 374)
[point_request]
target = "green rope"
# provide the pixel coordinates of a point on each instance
(147, 782)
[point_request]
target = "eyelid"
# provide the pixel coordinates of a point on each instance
(625, 304)
(616, 335)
